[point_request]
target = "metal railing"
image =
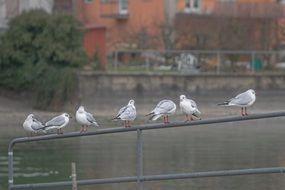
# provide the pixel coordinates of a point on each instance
(193, 61)
(140, 177)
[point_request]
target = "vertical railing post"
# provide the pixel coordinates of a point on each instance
(252, 61)
(116, 60)
(73, 176)
(10, 167)
(139, 159)
(218, 62)
(147, 63)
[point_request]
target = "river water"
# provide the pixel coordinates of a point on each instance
(235, 145)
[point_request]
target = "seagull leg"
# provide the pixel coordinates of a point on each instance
(82, 128)
(164, 120)
(167, 121)
(245, 111)
(242, 111)
(129, 124)
(187, 119)
(191, 118)
(125, 123)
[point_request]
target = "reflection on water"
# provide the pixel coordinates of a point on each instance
(238, 145)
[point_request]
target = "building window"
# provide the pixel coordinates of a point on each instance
(123, 6)
(88, 1)
(192, 6)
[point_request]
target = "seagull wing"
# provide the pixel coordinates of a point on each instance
(129, 113)
(164, 107)
(241, 99)
(91, 118)
(56, 121)
(120, 112)
(37, 125)
(194, 106)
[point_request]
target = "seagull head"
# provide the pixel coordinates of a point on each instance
(131, 102)
(252, 92)
(66, 115)
(30, 116)
(182, 97)
(81, 109)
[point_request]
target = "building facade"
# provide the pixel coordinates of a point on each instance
(159, 24)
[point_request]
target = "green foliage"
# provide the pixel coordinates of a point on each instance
(54, 90)
(38, 52)
(96, 61)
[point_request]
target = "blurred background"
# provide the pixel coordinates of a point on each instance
(58, 54)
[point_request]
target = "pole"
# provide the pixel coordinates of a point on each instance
(252, 61)
(218, 62)
(10, 169)
(73, 176)
(116, 61)
(139, 160)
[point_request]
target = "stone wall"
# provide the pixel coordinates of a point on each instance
(101, 84)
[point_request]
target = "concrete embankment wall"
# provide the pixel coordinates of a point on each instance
(106, 85)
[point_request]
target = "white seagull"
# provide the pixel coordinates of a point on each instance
(57, 122)
(31, 124)
(127, 113)
(242, 100)
(85, 119)
(163, 108)
(189, 108)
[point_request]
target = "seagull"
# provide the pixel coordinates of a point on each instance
(57, 122)
(85, 119)
(163, 108)
(242, 100)
(127, 113)
(31, 124)
(189, 108)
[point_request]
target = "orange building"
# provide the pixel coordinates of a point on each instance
(143, 24)
(129, 24)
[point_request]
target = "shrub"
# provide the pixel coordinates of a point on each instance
(40, 52)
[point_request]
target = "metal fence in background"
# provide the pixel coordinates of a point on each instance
(140, 178)
(195, 61)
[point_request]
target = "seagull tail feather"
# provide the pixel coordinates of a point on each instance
(151, 113)
(154, 117)
(226, 103)
(196, 116)
(115, 118)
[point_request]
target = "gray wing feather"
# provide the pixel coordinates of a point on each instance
(91, 118)
(241, 99)
(37, 125)
(193, 103)
(164, 106)
(57, 121)
(128, 113)
(121, 111)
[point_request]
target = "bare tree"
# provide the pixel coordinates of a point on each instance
(231, 26)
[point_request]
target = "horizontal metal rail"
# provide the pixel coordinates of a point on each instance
(196, 51)
(221, 173)
(140, 178)
(148, 127)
